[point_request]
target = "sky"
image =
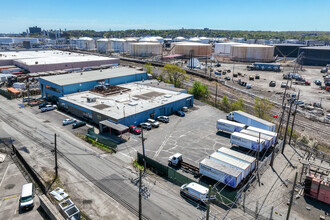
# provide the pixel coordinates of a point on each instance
(279, 15)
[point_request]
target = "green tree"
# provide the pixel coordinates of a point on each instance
(174, 74)
(237, 105)
(199, 90)
(262, 108)
(149, 69)
(224, 104)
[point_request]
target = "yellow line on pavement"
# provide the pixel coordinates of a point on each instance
(10, 197)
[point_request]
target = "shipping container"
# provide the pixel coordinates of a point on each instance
(250, 120)
(265, 132)
(220, 172)
(247, 141)
(239, 156)
(229, 126)
(268, 139)
(232, 162)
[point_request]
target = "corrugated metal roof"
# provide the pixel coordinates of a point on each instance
(112, 125)
(88, 76)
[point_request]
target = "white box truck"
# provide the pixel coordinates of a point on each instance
(229, 126)
(195, 191)
(268, 139)
(247, 141)
(240, 156)
(265, 132)
(250, 120)
(219, 172)
(232, 162)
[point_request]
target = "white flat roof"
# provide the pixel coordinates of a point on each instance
(237, 154)
(224, 121)
(247, 137)
(88, 76)
(255, 118)
(262, 131)
(128, 103)
(229, 160)
(256, 134)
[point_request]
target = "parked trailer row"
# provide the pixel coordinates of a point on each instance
(219, 172)
(232, 162)
(250, 120)
(240, 156)
(229, 126)
(264, 132)
(247, 141)
(268, 139)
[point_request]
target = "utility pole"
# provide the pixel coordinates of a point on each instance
(56, 172)
(286, 127)
(278, 134)
(216, 94)
(258, 160)
(294, 117)
(206, 66)
(291, 199)
(140, 195)
(208, 203)
(144, 154)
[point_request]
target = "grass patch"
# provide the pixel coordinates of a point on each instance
(94, 143)
(137, 165)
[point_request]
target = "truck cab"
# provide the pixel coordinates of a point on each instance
(175, 160)
(230, 116)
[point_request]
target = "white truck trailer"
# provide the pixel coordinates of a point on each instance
(219, 172)
(268, 139)
(250, 120)
(229, 126)
(232, 162)
(265, 132)
(238, 155)
(247, 141)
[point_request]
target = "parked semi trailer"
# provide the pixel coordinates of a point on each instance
(268, 139)
(265, 67)
(250, 120)
(238, 155)
(219, 172)
(265, 132)
(232, 162)
(247, 141)
(229, 126)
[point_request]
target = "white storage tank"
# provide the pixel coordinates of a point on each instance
(197, 49)
(103, 45)
(252, 53)
(85, 43)
(179, 39)
(128, 41)
(224, 48)
(117, 45)
(145, 49)
(195, 39)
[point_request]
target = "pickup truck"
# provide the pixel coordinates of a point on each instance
(48, 108)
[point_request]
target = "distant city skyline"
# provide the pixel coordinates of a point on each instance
(103, 15)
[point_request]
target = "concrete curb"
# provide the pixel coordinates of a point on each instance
(50, 209)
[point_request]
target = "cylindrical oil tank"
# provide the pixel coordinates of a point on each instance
(128, 41)
(192, 48)
(179, 39)
(145, 49)
(287, 50)
(252, 53)
(315, 56)
(103, 45)
(224, 48)
(117, 45)
(86, 43)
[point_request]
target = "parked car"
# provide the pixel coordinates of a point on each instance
(318, 82)
(43, 105)
(48, 108)
(299, 102)
(327, 116)
(284, 85)
(235, 75)
(26, 99)
(218, 65)
(134, 130)
(251, 78)
(180, 113)
(324, 70)
(164, 119)
(69, 121)
(257, 77)
(153, 123)
(275, 116)
(78, 124)
(227, 78)
(145, 125)
(248, 86)
(272, 84)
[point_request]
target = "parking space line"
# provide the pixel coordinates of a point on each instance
(4, 175)
(10, 197)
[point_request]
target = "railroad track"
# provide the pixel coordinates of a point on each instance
(14, 124)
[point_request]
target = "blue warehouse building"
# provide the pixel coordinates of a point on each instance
(53, 87)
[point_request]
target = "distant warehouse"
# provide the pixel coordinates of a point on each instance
(60, 85)
(315, 56)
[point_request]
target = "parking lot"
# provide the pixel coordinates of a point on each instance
(11, 181)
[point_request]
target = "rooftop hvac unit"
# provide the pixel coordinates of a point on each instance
(91, 99)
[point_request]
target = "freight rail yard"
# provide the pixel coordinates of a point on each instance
(95, 111)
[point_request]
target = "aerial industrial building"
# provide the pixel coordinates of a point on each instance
(252, 53)
(315, 56)
(49, 60)
(60, 85)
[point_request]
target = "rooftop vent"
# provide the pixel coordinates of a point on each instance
(167, 96)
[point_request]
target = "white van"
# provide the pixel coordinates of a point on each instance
(195, 191)
(26, 201)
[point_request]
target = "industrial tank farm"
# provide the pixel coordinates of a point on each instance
(145, 49)
(315, 56)
(86, 43)
(287, 50)
(224, 48)
(194, 49)
(252, 53)
(103, 45)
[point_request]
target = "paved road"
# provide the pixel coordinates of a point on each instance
(38, 134)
